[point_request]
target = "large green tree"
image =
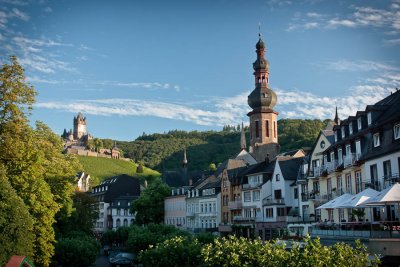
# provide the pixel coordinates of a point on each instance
(150, 205)
(35, 167)
(16, 224)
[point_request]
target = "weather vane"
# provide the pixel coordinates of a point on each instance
(259, 29)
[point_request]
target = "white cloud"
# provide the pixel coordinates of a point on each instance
(15, 2)
(391, 42)
(333, 23)
(48, 10)
(231, 110)
(361, 65)
(19, 14)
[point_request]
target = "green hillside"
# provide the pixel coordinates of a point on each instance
(103, 168)
(165, 151)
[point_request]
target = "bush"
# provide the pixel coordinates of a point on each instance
(179, 250)
(140, 238)
(76, 251)
(234, 251)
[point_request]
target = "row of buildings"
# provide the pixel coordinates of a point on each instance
(260, 191)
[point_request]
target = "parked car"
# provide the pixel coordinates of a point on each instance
(106, 250)
(122, 259)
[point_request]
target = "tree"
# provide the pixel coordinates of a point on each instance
(35, 167)
(76, 251)
(16, 224)
(82, 218)
(150, 205)
(212, 167)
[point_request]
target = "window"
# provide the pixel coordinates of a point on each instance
(348, 150)
(118, 212)
(257, 129)
(296, 193)
(267, 128)
(341, 215)
(247, 197)
(396, 130)
(335, 136)
(118, 222)
(369, 118)
(374, 176)
(332, 156)
(278, 194)
(329, 185)
(376, 140)
(269, 212)
(349, 188)
(339, 185)
(340, 156)
(256, 195)
(277, 177)
(387, 169)
(274, 129)
(343, 133)
(358, 149)
(359, 125)
(280, 212)
(126, 222)
(351, 128)
(358, 182)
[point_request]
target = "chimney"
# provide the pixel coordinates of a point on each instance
(267, 159)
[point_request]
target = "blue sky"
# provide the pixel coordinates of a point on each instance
(152, 66)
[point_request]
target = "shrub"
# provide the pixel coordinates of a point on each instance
(182, 250)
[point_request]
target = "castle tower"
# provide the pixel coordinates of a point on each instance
(79, 126)
(263, 117)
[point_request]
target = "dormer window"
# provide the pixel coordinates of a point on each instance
(350, 128)
(376, 140)
(343, 133)
(396, 130)
(369, 118)
(359, 125)
(335, 136)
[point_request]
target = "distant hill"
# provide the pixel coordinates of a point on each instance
(103, 168)
(164, 151)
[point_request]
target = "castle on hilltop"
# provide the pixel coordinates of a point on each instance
(79, 134)
(79, 142)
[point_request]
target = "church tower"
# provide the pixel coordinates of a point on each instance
(79, 126)
(263, 117)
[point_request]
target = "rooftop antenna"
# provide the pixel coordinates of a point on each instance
(259, 30)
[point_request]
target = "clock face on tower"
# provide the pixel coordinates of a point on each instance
(322, 144)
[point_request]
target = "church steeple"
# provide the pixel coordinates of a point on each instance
(263, 117)
(336, 119)
(242, 139)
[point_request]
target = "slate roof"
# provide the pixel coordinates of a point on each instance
(290, 167)
(117, 186)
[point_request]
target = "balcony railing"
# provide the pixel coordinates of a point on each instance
(189, 214)
(391, 179)
(243, 219)
(331, 166)
(273, 201)
(376, 185)
(235, 205)
(251, 185)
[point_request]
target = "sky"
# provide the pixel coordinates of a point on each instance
(134, 67)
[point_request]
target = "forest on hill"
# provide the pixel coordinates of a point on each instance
(165, 151)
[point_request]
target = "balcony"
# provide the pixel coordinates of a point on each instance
(241, 219)
(376, 185)
(271, 202)
(391, 179)
(235, 205)
(251, 185)
(331, 166)
(316, 172)
(189, 214)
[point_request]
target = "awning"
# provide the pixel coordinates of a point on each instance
(357, 200)
(390, 195)
(336, 203)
